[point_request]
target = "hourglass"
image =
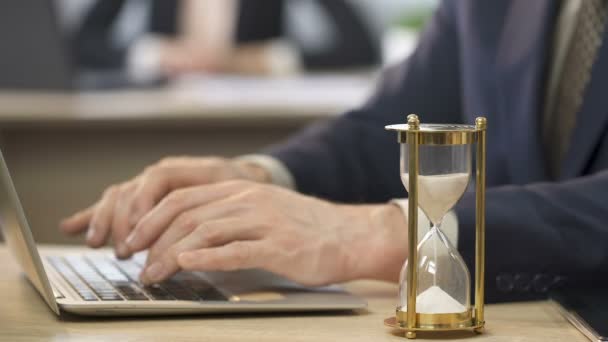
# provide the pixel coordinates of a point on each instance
(435, 167)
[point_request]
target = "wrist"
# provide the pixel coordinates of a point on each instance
(380, 252)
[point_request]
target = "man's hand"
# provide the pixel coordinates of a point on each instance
(240, 224)
(123, 205)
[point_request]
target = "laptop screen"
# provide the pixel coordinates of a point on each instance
(19, 238)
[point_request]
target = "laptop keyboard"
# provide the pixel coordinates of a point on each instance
(103, 278)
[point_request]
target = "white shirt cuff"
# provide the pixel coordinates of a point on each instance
(279, 173)
(143, 59)
(449, 226)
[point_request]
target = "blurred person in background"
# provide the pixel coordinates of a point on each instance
(157, 38)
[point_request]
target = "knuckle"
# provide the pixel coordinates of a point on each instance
(186, 222)
(123, 194)
(175, 199)
(209, 235)
(168, 161)
(125, 187)
(214, 161)
(157, 171)
(139, 204)
(111, 190)
(148, 169)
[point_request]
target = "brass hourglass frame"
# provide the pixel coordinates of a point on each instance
(415, 134)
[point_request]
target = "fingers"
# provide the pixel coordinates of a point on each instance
(211, 234)
(121, 224)
(209, 231)
(151, 226)
(167, 175)
(151, 189)
(166, 266)
(78, 222)
(233, 256)
(181, 227)
(101, 221)
(189, 220)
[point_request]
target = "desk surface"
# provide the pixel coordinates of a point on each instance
(25, 317)
(196, 98)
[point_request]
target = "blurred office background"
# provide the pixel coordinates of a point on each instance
(93, 91)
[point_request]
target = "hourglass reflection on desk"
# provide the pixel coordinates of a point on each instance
(435, 169)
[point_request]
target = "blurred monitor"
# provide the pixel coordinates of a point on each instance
(34, 51)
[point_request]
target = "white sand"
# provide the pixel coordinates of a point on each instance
(437, 194)
(435, 300)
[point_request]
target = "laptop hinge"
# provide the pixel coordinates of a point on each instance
(56, 292)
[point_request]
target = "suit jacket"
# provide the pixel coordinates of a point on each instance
(483, 58)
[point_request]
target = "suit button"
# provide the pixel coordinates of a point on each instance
(504, 282)
(541, 283)
(522, 282)
(558, 282)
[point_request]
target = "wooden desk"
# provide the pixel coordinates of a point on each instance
(64, 149)
(25, 317)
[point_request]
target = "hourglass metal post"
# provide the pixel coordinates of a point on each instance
(412, 137)
(437, 138)
(480, 222)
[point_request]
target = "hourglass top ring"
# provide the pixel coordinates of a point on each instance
(438, 134)
(435, 164)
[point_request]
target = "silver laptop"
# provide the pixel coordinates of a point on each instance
(96, 283)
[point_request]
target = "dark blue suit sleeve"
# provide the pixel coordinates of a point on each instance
(540, 236)
(352, 158)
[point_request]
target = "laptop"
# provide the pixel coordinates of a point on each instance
(97, 284)
(36, 55)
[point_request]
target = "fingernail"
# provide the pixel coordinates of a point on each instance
(130, 241)
(154, 272)
(122, 251)
(91, 233)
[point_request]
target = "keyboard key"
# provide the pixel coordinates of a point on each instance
(130, 291)
(199, 286)
(99, 277)
(89, 275)
(107, 269)
(178, 290)
(130, 268)
(157, 292)
(110, 296)
(117, 279)
(72, 278)
(88, 296)
(211, 294)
